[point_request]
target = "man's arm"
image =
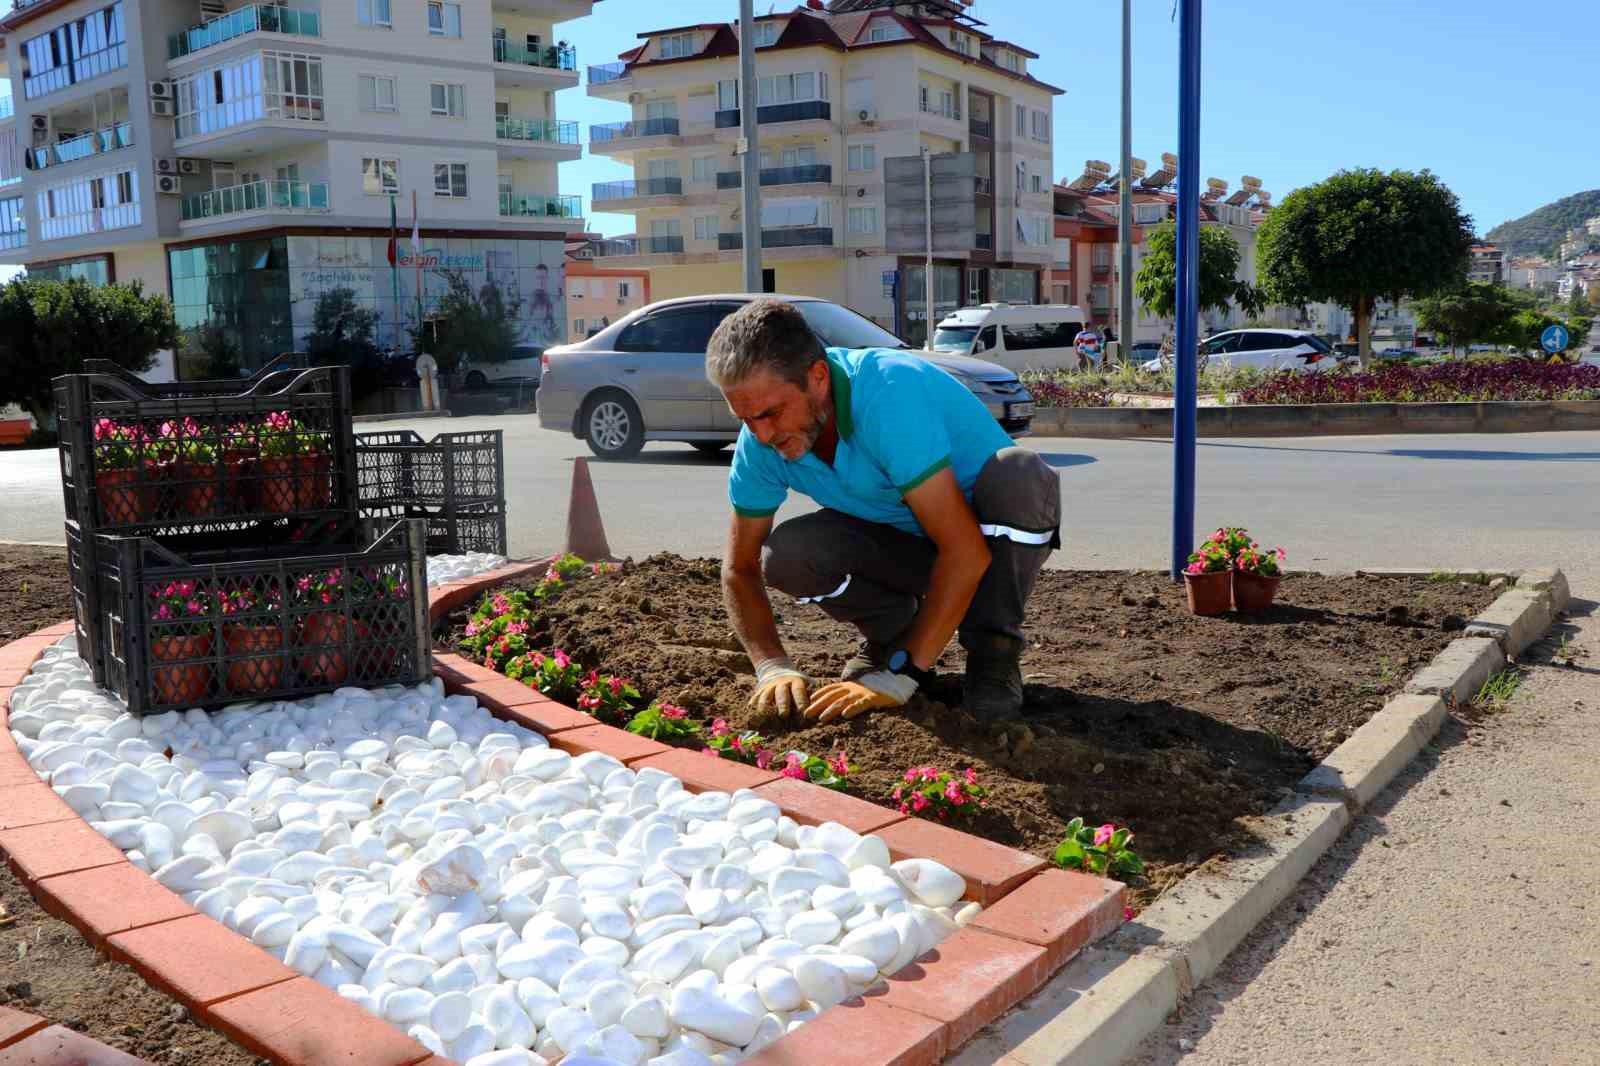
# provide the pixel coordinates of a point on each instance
(780, 688)
(963, 559)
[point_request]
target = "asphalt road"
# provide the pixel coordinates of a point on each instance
(1335, 503)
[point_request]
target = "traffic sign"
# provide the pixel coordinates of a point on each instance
(1554, 338)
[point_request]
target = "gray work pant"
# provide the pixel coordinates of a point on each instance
(874, 575)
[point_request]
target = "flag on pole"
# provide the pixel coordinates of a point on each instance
(416, 253)
(394, 234)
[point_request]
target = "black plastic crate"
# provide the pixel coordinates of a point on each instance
(201, 628)
(456, 482)
(271, 453)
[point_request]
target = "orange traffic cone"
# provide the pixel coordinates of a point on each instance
(586, 533)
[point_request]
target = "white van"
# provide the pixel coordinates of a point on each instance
(1017, 336)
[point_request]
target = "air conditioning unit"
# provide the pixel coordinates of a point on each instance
(162, 108)
(865, 115)
(634, 98)
(41, 123)
(188, 166)
(166, 166)
(210, 9)
(169, 185)
(161, 90)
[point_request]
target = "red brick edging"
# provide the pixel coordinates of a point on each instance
(1034, 920)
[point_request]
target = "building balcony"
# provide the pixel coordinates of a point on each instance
(12, 239)
(1100, 270)
(937, 111)
(257, 196)
(981, 128)
(254, 18)
(96, 142)
(553, 67)
(983, 186)
(788, 237)
(13, 228)
(609, 73)
(537, 137)
(514, 205)
(625, 138)
(625, 195)
(247, 125)
(984, 242)
(820, 173)
(94, 220)
(633, 247)
(84, 67)
(768, 114)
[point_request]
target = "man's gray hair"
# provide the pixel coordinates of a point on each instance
(764, 334)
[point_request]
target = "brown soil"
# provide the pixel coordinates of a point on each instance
(1137, 712)
(46, 967)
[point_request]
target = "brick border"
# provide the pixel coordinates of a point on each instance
(1033, 924)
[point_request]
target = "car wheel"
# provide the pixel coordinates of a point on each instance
(708, 447)
(476, 380)
(612, 426)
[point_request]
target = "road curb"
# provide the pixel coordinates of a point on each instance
(1360, 768)
(1457, 673)
(1323, 419)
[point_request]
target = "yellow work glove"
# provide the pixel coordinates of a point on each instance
(870, 692)
(780, 688)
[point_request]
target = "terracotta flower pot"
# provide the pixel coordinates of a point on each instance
(276, 489)
(313, 488)
(187, 685)
(1253, 593)
(199, 489)
(124, 500)
(1208, 593)
(322, 636)
(254, 660)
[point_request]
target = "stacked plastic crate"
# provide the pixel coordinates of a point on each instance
(456, 482)
(217, 548)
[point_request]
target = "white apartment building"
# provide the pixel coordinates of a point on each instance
(243, 158)
(842, 87)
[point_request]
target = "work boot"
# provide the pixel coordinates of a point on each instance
(869, 656)
(993, 687)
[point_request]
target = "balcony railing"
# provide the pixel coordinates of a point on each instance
(983, 186)
(551, 58)
(605, 73)
(789, 237)
(258, 196)
(951, 112)
(96, 142)
(628, 190)
(979, 127)
(7, 109)
(94, 220)
(638, 246)
(815, 172)
(1100, 269)
(255, 18)
(620, 131)
(298, 107)
(770, 113)
(547, 130)
(984, 241)
(81, 68)
(514, 206)
(13, 238)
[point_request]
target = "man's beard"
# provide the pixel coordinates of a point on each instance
(812, 430)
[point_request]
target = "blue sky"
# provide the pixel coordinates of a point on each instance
(1500, 101)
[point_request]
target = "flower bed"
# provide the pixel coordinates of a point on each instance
(1432, 383)
(1138, 714)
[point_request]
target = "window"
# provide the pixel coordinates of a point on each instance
(577, 325)
(727, 95)
(885, 29)
(1022, 121)
(703, 169)
(705, 227)
(790, 88)
(677, 46)
(577, 288)
(661, 169)
(767, 33)
(1041, 127)
(677, 329)
(77, 51)
(450, 179)
(376, 92)
(380, 177)
(863, 220)
(861, 158)
(988, 336)
(373, 13)
(1149, 214)
(655, 110)
(623, 290)
(776, 214)
(1063, 254)
(1035, 335)
(1038, 183)
(448, 99)
(444, 19)
(666, 227)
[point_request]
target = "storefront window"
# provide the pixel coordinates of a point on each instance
(243, 286)
(946, 298)
(1013, 286)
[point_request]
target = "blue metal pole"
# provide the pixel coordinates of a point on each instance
(1183, 356)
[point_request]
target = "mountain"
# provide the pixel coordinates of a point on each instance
(1539, 232)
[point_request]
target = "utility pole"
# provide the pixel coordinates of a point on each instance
(750, 181)
(1188, 310)
(1125, 315)
(927, 237)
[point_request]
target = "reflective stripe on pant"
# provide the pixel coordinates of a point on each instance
(873, 575)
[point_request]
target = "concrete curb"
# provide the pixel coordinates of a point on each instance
(1333, 419)
(1098, 1010)
(400, 416)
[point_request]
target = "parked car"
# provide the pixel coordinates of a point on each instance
(1144, 351)
(523, 365)
(643, 378)
(1017, 336)
(1264, 349)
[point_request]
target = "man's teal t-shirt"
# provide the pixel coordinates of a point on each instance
(901, 420)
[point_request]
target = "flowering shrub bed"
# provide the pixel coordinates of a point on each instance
(929, 792)
(1432, 383)
(752, 748)
(1062, 391)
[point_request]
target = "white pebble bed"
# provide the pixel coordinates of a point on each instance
(504, 903)
(442, 568)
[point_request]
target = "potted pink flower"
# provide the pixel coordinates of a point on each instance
(180, 632)
(125, 472)
(323, 629)
(254, 639)
(1256, 574)
(1208, 577)
(197, 481)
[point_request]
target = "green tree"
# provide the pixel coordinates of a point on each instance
(1475, 313)
(48, 328)
(1156, 284)
(1362, 235)
(1525, 329)
(211, 348)
(478, 326)
(1577, 302)
(341, 332)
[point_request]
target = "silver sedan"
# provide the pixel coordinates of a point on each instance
(643, 378)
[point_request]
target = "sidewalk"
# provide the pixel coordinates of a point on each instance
(1456, 923)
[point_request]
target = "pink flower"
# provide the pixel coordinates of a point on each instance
(930, 774)
(163, 611)
(1195, 568)
(668, 710)
(904, 809)
(303, 584)
(736, 743)
(838, 764)
(972, 776)
(919, 801)
(1127, 914)
(501, 605)
(719, 727)
(1219, 536)
(616, 684)
(327, 597)
(797, 772)
(911, 776)
(764, 761)
(1282, 555)
(562, 662)
(896, 793)
(953, 793)
(517, 628)
(537, 659)
(1102, 836)
(472, 629)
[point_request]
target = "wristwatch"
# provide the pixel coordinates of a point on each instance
(900, 663)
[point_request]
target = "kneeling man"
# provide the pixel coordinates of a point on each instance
(931, 520)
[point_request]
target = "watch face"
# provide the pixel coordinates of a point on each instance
(897, 661)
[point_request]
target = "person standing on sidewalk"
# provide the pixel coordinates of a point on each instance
(1087, 343)
(931, 521)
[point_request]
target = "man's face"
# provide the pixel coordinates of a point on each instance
(781, 414)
